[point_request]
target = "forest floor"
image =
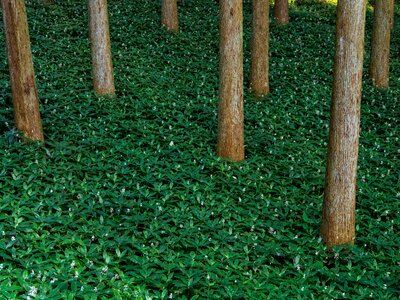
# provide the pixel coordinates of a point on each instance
(127, 199)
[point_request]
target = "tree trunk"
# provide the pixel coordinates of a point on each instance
(102, 67)
(23, 84)
(169, 14)
(281, 11)
(380, 45)
(230, 109)
(338, 220)
(259, 83)
(391, 14)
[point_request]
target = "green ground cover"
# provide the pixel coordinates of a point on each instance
(127, 199)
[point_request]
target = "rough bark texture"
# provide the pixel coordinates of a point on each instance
(259, 83)
(338, 220)
(281, 11)
(391, 13)
(23, 84)
(380, 45)
(169, 14)
(230, 109)
(102, 67)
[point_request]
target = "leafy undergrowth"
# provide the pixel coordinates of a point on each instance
(127, 199)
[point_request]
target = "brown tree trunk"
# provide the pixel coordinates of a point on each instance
(391, 14)
(169, 14)
(23, 84)
(338, 220)
(230, 109)
(259, 83)
(102, 67)
(380, 45)
(281, 11)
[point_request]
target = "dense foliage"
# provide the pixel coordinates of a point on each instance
(127, 199)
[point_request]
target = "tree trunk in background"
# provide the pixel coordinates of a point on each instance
(259, 83)
(380, 45)
(230, 143)
(23, 84)
(169, 14)
(338, 220)
(281, 11)
(102, 67)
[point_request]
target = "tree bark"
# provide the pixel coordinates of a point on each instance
(281, 11)
(169, 14)
(380, 45)
(338, 220)
(391, 14)
(102, 67)
(259, 83)
(230, 143)
(23, 84)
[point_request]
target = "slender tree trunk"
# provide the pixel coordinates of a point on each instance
(230, 109)
(169, 14)
(338, 220)
(102, 67)
(23, 84)
(380, 45)
(281, 11)
(259, 83)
